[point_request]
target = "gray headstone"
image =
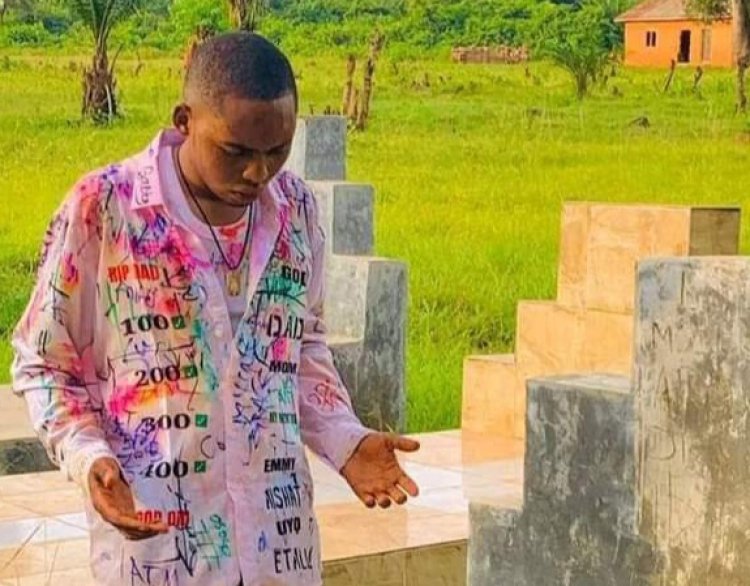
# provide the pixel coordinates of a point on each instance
(577, 523)
(579, 510)
(693, 391)
(366, 305)
(319, 149)
(347, 210)
(579, 450)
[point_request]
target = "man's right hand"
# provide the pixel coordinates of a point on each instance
(113, 500)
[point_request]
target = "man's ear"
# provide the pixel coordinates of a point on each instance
(181, 118)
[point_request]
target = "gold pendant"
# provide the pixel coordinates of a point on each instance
(234, 283)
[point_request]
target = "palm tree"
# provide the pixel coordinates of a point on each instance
(246, 14)
(100, 16)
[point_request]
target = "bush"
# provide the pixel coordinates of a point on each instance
(142, 29)
(188, 15)
(24, 35)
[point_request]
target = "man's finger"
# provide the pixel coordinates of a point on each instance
(383, 499)
(405, 444)
(368, 500)
(408, 485)
(125, 519)
(132, 525)
(397, 495)
(132, 535)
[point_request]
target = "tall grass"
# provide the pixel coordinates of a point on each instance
(471, 170)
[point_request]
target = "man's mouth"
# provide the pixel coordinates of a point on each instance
(245, 194)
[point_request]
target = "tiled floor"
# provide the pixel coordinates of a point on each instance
(14, 422)
(43, 538)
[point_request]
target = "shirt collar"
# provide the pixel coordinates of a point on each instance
(148, 190)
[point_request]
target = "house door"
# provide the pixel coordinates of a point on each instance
(684, 56)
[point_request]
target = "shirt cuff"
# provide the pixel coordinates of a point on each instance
(78, 465)
(349, 439)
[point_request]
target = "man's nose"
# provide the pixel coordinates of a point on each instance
(256, 172)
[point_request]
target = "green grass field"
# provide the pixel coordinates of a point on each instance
(470, 175)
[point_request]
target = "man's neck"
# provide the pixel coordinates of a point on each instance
(216, 212)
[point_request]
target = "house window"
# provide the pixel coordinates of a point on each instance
(651, 39)
(706, 45)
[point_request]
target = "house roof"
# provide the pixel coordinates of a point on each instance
(657, 10)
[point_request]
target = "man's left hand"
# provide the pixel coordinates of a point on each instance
(374, 473)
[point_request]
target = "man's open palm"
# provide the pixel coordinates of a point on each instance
(374, 473)
(113, 500)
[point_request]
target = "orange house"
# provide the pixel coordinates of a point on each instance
(658, 31)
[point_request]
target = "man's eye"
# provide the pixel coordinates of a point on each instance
(232, 152)
(278, 151)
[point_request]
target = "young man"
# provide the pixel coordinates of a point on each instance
(173, 353)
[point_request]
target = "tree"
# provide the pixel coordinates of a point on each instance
(576, 39)
(246, 14)
(99, 85)
(739, 11)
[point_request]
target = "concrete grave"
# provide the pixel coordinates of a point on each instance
(640, 482)
(366, 298)
(589, 327)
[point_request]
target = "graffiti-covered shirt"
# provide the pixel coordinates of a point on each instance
(126, 350)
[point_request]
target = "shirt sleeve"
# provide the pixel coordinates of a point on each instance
(328, 423)
(55, 332)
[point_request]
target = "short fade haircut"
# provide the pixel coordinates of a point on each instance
(242, 64)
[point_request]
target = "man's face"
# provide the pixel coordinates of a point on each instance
(238, 149)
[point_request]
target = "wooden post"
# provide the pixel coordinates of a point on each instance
(697, 78)
(346, 103)
(353, 112)
(672, 70)
(376, 47)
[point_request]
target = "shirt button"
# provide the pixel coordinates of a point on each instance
(220, 332)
